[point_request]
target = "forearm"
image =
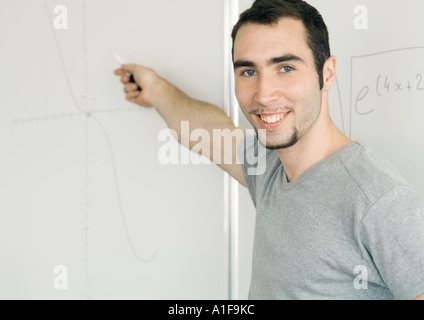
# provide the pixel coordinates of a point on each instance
(176, 107)
(207, 129)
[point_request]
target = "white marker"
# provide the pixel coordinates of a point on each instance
(121, 62)
(117, 57)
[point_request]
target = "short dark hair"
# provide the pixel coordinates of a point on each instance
(269, 12)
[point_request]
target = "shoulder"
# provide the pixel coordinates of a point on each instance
(391, 229)
(373, 175)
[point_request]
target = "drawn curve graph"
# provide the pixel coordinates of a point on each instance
(89, 118)
(91, 115)
(80, 180)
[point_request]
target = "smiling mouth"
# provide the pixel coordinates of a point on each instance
(272, 120)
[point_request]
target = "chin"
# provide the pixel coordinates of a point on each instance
(281, 143)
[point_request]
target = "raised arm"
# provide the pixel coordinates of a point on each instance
(175, 107)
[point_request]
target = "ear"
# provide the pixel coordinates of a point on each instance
(329, 73)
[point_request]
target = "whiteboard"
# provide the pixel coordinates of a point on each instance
(80, 179)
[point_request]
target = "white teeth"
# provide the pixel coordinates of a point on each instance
(273, 118)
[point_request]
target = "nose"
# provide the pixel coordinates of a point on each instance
(267, 89)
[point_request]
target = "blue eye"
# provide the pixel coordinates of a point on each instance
(248, 73)
(287, 69)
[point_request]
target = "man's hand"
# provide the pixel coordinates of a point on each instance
(145, 78)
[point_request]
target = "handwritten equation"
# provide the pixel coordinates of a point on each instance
(387, 108)
(392, 74)
(387, 85)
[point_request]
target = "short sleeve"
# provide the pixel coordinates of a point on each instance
(392, 231)
(245, 146)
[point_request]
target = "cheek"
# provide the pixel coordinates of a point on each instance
(291, 95)
(310, 107)
(307, 94)
(243, 95)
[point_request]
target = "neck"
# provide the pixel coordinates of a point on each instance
(321, 141)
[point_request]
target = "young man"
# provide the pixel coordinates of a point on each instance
(334, 221)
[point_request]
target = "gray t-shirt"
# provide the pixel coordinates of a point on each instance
(350, 227)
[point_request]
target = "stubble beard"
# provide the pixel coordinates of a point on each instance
(291, 141)
(293, 138)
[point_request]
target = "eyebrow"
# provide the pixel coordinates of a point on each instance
(284, 58)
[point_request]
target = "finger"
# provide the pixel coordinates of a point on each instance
(130, 87)
(119, 72)
(132, 95)
(125, 78)
(129, 67)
